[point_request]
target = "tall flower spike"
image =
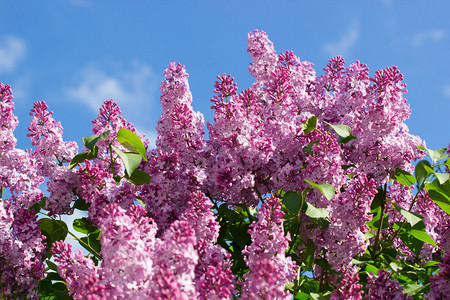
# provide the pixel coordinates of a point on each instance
(180, 129)
(8, 121)
(46, 135)
(22, 251)
(270, 269)
(263, 55)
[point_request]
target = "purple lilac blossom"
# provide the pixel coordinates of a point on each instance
(270, 269)
(440, 282)
(381, 286)
(348, 288)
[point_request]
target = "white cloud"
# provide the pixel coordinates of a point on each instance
(346, 41)
(434, 35)
(132, 89)
(12, 51)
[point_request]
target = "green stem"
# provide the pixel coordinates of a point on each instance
(377, 237)
(112, 160)
(78, 239)
(295, 235)
(86, 245)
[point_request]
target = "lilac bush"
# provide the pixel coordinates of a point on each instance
(307, 186)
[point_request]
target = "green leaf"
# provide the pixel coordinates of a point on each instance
(347, 139)
(81, 157)
(440, 194)
(131, 160)
(240, 235)
(441, 177)
(308, 149)
(371, 269)
(414, 288)
(327, 189)
(414, 244)
(302, 296)
(420, 171)
(131, 141)
(308, 254)
(411, 217)
(90, 141)
(54, 230)
(53, 276)
(321, 216)
(81, 204)
(61, 292)
(309, 125)
(439, 154)
(430, 263)
(139, 200)
(139, 177)
(84, 225)
(341, 130)
(423, 236)
(93, 240)
(51, 265)
(293, 202)
(377, 200)
(36, 207)
(403, 177)
(325, 296)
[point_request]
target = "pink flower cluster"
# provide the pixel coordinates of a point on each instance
(265, 140)
(184, 263)
(270, 269)
(381, 286)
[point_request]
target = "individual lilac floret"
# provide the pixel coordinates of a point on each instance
(46, 135)
(270, 269)
(8, 121)
(383, 287)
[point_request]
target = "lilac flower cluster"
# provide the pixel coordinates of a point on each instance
(269, 268)
(184, 263)
(440, 283)
(348, 288)
(265, 140)
(381, 286)
(21, 243)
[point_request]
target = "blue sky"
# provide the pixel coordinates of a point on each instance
(75, 54)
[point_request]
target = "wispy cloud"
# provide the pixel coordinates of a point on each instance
(346, 41)
(133, 88)
(433, 35)
(12, 51)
